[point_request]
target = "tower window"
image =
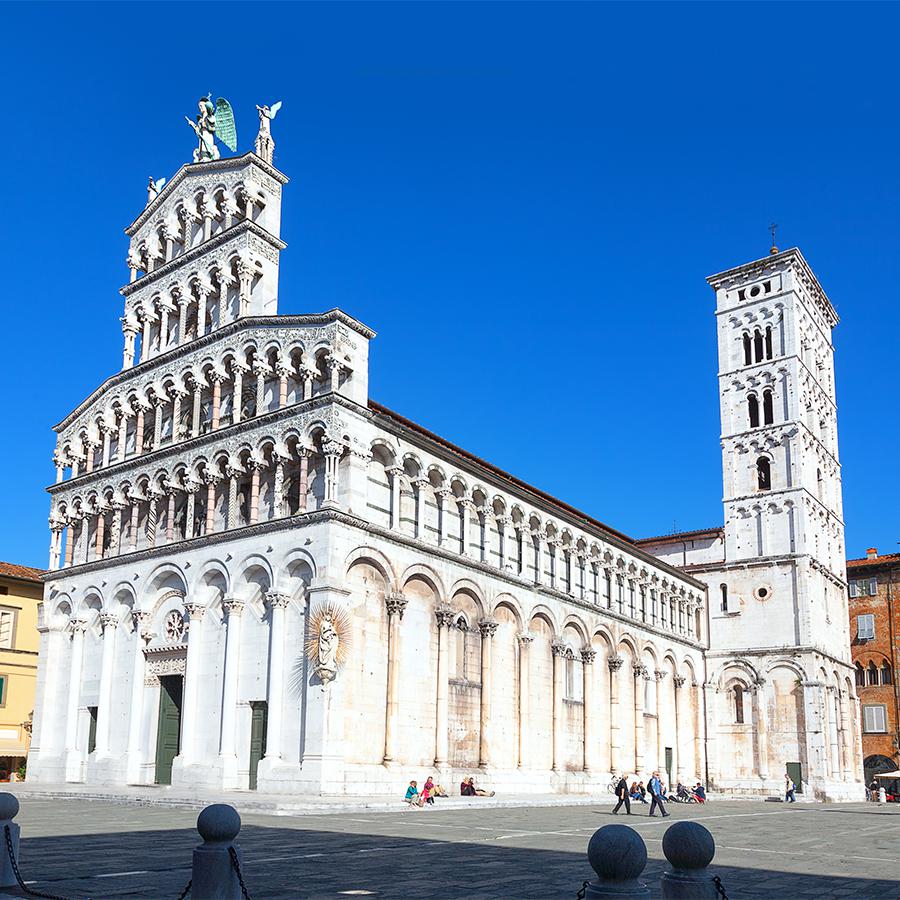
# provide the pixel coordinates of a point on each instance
(768, 342)
(738, 704)
(886, 673)
(724, 589)
(768, 410)
(753, 410)
(872, 674)
(860, 676)
(758, 345)
(763, 474)
(748, 350)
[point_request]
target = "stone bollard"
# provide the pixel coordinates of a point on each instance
(882, 795)
(9, 807)
(690, 848)
(213, 876)
(618, 855)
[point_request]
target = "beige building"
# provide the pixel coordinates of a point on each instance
(20, 593)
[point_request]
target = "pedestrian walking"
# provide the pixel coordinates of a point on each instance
(622, 794)
(656, 795)
(789, 788)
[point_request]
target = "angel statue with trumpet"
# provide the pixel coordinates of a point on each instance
(213, 122)
(265, 146)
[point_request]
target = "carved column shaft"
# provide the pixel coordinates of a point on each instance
(395, 604)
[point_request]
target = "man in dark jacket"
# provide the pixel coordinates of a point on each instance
(656, 795)
(622, 794)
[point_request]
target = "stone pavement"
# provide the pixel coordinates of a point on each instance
(81, 849)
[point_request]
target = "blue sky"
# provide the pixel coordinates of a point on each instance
(523, 201)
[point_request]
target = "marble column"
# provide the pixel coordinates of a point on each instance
(761, 717)
(813, 709)
(216, 378)
(192, 684)
(70, 543)
(394, 473)
(444, 617)
(590, 740)
(73, 757)
(133, 524)
(420, 485)
(237, 371)
(278, 604)
(134, 756)
(282, 372)
(396, 605)
(488, 628)
(101, 530)
(710, 699)
(255, 466)
(465, 516)
(139, 430)
(170, 513)
(278, 487)
(558, 650)
(680, 723)
(615, 744)
(304, 453)
(196, 409)
(109, 622)
(846, 738)
(445, 497)
(211, 481)
(231, 514)
(660, 675)
(834, 755)
(640, 672)
(233, 608)
(525, 641)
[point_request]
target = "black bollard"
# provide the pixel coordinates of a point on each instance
(690, 848)
(618, 855)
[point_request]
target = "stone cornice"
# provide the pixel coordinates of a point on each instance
(220, 334)
(767, 561)
(223, 237)
(215, 165)
(776, 653)
(330, 514)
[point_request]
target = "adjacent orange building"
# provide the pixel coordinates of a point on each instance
(873, 584)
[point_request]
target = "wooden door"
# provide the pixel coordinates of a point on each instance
(796, 772)
(258, 724)
(168, 734)
(92, 729)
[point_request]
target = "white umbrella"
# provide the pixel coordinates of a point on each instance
(889, 774)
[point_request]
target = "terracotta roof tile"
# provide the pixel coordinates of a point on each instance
(681, 535)
(885, 559)
(25, 573)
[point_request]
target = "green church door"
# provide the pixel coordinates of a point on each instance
(168, 732)
(796, 772)
(258, 724)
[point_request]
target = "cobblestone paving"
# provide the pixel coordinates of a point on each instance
(84, 849)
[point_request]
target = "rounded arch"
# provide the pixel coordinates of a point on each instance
(540, 611)
(377, 560)
(507, 601)
(424, 573)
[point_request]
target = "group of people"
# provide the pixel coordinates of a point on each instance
(430, 790)
(658, 795)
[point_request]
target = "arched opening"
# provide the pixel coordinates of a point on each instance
(753, 410)
(724, 590)
(763, 474)
(738, 704)
(768, 342)
(748, 351)
(886, 673)
(860, 675)
(768, 408)
(872, 674)
(758, 345)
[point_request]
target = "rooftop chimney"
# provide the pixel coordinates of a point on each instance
(871, 553)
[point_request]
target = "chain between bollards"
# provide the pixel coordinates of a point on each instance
(15, 868)
(720, 888)
(582, 891)
(235, 864)
(187, 889)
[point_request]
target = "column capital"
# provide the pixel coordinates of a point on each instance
(525, 638)
(396, 604)
(234, 606)
(639, 670)
(277, 600)
(444, 616)
(139, 621)
(660, 674)
(557, 647)
(679, 680)
(109, 620)
(488, 627)
(332, 447)
(195, 610)
(588, 656)
(615, 663)
(77, 626)
(212, 478)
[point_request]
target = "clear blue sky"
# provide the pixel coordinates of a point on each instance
(523, 201)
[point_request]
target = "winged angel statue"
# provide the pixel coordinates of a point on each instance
(213, 122)
(265, 145)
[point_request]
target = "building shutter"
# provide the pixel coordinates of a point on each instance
(873, 587)
(873, 719)
(854, 589)
(865, 627)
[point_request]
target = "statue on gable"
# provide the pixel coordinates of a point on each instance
(213, 122)
(265, 145)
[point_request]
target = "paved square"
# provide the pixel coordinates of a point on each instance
(81, 849)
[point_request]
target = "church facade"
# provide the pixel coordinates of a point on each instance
(263, 579)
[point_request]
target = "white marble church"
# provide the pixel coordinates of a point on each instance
(263, 579)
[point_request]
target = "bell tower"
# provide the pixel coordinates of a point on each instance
(784, 532)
